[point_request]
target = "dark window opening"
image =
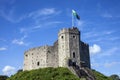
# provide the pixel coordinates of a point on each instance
(26, 55)
(70, 62)
(38, 63)
(48, 51)
(73, 36)
(62, 37)
(73, 54)
(74, 64)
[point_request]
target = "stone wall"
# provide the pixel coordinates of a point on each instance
(84, 55)
(40, 57)
(35, 58)
(67, 47)
(52, 56)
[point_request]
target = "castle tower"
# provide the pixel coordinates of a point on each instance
(69, 46)
(67, 51)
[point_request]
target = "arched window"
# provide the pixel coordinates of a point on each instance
(73, 54)
(38, 63)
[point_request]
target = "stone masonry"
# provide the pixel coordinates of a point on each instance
(67, 51)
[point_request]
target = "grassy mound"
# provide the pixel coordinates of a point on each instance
(100, 76)
(52, 74)
(45, 74)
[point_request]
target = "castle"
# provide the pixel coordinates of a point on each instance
(67, 51)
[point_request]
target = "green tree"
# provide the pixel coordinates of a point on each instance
(115, 77)
(3, 77)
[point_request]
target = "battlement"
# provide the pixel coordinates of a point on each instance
(68, 46)
(64, 30)
(37, 48)
(85, 44)
(73, 30)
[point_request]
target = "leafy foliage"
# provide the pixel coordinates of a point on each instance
(2, 77)
(115, 77)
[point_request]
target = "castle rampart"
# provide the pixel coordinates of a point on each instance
(68, 47)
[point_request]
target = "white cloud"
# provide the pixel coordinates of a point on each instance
(43, 12)
(80, 24)
(110, 64)
(95, 65)
(107, 15)
(52, 23)
(19, 42)
(114, 38)
(95, 49)
(39, 26)
(47, 11)
(3, 48)
(108, 32)
(90, 34)
(110, 51)
(8, 70)
(1, 39)
(11, 16)
(7, 1)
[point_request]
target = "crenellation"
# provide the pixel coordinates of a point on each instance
(68, 47)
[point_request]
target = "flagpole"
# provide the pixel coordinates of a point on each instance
(72, 20)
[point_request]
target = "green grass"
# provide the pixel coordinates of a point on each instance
(52, 74)
(45, 74)
(100, 76)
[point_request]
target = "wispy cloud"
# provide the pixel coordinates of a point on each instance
(95, 65)
(95, 49)
(3, 48)
(107, 15)
(95, 33)
(8, 70)
(111, 64)
(39, 26)
(11, 16)
(100, 37)
(7, 2)
(105, 64)
(43, 12)
(90, 34)
(110, 51)
(38, 15)
(80, 24)
(20, 41)
(1, 39)
(114, 38)
(107, 32)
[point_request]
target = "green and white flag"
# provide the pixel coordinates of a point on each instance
(75, 14)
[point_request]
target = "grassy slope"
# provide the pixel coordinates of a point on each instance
(100, 76)
(51, 74)
(45, 74)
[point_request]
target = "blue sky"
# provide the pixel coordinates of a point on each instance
(25, 24)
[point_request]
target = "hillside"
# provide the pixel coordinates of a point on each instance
(3, 77)
(100, 76)
(52, 74)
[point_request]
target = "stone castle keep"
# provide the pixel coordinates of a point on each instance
(67, 51)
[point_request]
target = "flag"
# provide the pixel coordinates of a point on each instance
(75, 14)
